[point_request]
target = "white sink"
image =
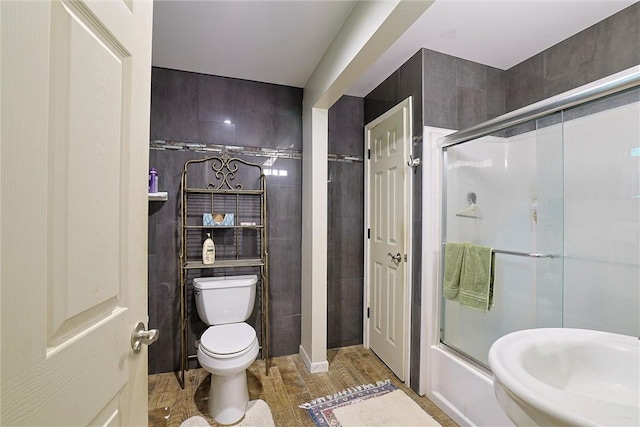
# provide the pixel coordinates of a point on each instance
(572, 377)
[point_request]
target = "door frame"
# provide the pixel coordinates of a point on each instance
(405, 105)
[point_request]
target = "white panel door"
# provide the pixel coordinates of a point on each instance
(73, 212)
(387, 220)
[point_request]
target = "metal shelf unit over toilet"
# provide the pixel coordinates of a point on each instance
(223, 184)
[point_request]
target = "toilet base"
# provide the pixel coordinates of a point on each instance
(228, 397)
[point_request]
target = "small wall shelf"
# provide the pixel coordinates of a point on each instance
(161, 196)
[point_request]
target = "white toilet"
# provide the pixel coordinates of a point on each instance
(229, 346)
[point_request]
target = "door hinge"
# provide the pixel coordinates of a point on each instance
(368, 312)
(368, 233)
(368, 153)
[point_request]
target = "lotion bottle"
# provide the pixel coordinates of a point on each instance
(208, 250)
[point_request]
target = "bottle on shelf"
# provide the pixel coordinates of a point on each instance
(153, 180)
(208, 250)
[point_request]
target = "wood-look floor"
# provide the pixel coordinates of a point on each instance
(288, 385)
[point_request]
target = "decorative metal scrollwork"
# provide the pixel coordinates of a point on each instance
(222, 170)
(225, 168)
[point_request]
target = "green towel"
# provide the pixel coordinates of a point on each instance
(476, 279)
(453, 255)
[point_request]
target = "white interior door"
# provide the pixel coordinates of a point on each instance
(74, 155)
(388, 242)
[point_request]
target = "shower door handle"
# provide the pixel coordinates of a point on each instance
(396, 258)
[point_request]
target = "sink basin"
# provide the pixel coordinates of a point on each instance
(562, 376)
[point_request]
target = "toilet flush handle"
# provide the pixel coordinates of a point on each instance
(141, 335)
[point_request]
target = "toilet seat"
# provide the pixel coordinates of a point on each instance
(227, 341)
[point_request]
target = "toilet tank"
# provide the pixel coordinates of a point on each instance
(221, 300)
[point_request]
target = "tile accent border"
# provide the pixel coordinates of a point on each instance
(241, 150)
(216, 148)
(344, 158)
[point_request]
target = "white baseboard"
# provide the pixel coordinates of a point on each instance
(313, 367)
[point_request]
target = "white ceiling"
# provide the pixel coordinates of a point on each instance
(281, 42)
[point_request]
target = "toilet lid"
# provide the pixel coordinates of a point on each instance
(228, 339)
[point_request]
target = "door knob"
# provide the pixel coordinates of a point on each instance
(396, 258)
(141, 335)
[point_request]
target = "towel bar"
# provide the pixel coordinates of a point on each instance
(500, 251)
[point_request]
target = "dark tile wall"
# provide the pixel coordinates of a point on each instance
(345, 257)
(192, 107)
(459, 93)
(284, 204)
(603, 49)
(346, 126)
(404, 82)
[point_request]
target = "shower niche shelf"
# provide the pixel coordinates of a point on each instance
(225, 185)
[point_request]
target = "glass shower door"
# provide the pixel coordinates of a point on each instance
(505, 191)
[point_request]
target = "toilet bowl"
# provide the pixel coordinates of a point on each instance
(227, 351)
(229, 346)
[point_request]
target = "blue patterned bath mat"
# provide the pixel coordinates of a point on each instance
(321, 409)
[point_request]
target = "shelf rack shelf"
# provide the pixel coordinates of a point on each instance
(225, 263)
(223, 184)
(206, 227)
